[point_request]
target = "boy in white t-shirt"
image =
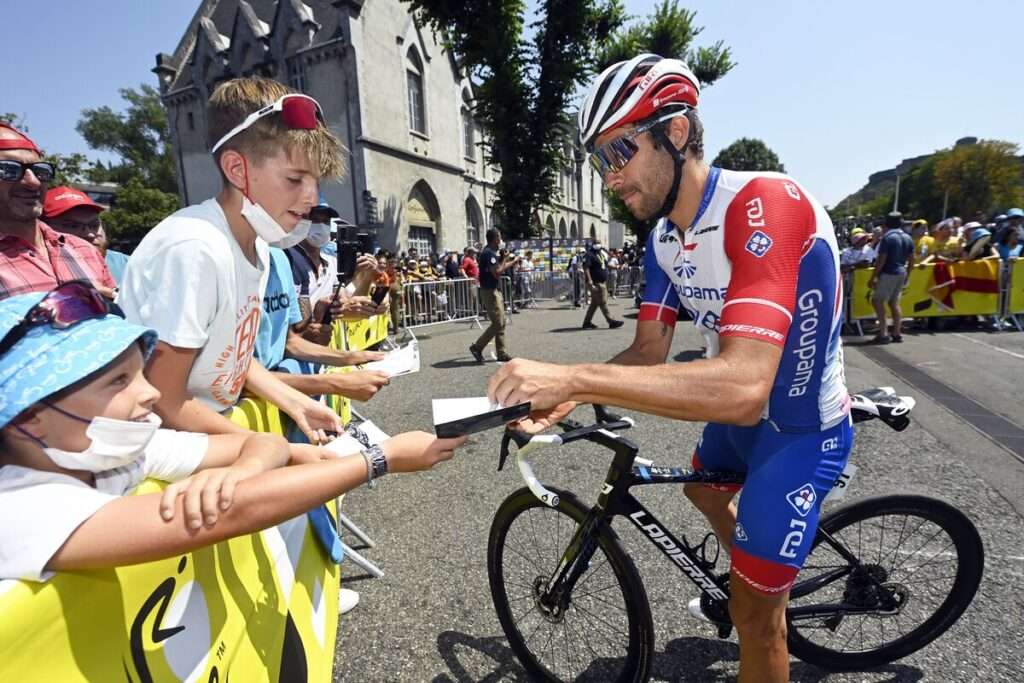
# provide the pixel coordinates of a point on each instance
(198, 277)
(78, 432)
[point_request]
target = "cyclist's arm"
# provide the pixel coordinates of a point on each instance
(731, 388)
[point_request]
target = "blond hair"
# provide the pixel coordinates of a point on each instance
(234, 100)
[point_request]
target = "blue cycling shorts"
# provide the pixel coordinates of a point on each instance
(788, 476)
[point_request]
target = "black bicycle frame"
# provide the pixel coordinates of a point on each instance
(615, 500)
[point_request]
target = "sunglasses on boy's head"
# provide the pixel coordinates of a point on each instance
(63, 307)
(298, 112)
(613, 156)
(12, 171)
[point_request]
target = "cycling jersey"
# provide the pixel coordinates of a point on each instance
(760, 261)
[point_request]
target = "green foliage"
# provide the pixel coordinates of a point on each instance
(523, 90)
(139, 137)
(669, 32)
(748, 154)
(980, 178)
(15, 120)
(137, 210)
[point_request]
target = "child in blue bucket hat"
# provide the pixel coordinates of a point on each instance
(78, 432)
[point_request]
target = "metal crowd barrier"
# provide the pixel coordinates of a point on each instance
(439, 301)
(626, 282)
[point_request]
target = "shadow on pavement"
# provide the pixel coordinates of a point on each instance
(450, 643)
(687, 658)
(459, 363)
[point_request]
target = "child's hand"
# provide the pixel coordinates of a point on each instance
(207, 493)
(417, 451)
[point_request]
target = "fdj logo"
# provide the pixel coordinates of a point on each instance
(802, 499)
(759, 244)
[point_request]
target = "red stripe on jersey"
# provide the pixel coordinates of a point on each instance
(768, 225)
(652, 311)
(754, 320)
(764, 576)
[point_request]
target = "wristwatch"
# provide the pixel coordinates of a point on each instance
(376, 464)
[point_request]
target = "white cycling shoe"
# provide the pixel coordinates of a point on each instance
(348, 599)
(693, 607)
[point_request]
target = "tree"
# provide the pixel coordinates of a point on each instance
(138, 208)
(748, 154)
(669, 32)
(980, 178)
(139, 137)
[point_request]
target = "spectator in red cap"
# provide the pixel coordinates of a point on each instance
(73, 212)
(34, 257)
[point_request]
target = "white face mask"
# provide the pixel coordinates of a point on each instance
(319, 234)
(115, 443)
(269, 229)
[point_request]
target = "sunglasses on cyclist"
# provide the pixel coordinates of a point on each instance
(613, 156)
(298, 112)
(63, 307)
(12, 171)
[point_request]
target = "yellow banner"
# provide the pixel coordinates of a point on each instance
(960, 288)
(1015, 302)
(255, 608)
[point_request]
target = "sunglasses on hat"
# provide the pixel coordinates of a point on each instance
(613, 156)
(298, 112)
(12, 171)
(62, 307)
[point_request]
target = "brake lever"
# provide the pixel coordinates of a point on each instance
(509, 436)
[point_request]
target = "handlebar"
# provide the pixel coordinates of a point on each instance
(600, 433)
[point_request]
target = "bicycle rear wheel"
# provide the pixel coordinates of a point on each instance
(605, 633)
(922, 562)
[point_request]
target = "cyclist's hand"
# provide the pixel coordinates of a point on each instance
(539, 420)
(544, 385)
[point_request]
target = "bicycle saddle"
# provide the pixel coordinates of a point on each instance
(883, 403)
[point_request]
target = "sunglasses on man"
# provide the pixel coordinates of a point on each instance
(298, 112)
(64, 306)
(613, 156)
(13, 171)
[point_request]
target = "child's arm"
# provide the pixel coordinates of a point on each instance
(131, 530)
(229, 459)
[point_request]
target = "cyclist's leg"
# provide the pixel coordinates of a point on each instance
(788, 476)
(715, 452)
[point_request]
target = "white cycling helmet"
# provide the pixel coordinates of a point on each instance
(628, 92)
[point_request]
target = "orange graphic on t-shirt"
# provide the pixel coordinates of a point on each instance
(245, 346)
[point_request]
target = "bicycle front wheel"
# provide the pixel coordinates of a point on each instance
(921, 562)
(604, 633)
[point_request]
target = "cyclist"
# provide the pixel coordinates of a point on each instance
(751, 257)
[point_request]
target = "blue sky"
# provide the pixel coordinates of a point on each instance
(838, 89)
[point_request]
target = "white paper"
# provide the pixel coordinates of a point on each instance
(403, 361)
(451, 409)
(346, 444)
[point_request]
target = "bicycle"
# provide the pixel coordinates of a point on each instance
(849, 609)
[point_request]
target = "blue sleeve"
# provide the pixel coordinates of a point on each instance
(660, 300)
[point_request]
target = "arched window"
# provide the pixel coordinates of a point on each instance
(549, 227)
(562, 231)
(473, 220)
(593, 232)
(414, 87)
(573, 232)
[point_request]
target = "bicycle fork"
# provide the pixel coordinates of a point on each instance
(556, 595)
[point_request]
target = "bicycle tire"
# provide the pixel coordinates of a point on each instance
(969, 552)
(639, 650)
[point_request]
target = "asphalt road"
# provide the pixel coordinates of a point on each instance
(431, 619)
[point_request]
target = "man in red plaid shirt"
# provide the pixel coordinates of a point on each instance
(33, 257)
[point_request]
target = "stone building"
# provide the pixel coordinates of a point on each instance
(391, 93)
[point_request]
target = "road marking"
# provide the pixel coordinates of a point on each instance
(978, 341)
(992, 426)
